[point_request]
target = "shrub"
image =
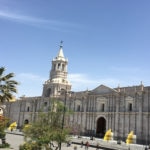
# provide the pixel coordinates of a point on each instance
(6, 145)
(30, 146)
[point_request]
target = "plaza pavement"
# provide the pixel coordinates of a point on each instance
(15, 139)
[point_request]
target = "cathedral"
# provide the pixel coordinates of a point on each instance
(121, 109)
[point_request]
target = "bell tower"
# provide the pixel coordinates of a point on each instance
(57, 77)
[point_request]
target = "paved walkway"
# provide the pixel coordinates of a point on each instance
(16, 140)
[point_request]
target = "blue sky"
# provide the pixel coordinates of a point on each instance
(106, 41)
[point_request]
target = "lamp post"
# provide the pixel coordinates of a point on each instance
(64, 110)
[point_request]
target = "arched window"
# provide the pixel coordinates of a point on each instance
(45, 103)
(129, 103)
(103, 107)
(59, 66)
(48, 92)
(54, 67)
(130, 106)
(78, 108)
(26, 121)
(63, 67)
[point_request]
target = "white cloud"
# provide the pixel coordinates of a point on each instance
(8, 15)
(126, 69)
(83, 82)
(29, 84)
(30, 77)
(23, 18)
(80, 78)
(32, 84)
(34, 21)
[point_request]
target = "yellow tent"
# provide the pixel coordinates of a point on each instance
(129, 139)
(108, 135)
(27, 125)
(12, 126)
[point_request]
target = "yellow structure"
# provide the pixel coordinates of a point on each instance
(108, 135)
(26, 126)
(13, 99)
(12, 126)
(129, 139)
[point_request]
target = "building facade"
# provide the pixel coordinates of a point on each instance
(121, 109)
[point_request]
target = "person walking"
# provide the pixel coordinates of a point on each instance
(81, 144)
(86, 145)
(97, 147)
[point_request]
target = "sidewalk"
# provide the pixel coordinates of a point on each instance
(16, 138)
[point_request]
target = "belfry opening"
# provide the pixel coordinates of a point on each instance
(101, 127)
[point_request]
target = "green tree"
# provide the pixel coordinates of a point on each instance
(7, 86)
(47, 129)
(3, 124)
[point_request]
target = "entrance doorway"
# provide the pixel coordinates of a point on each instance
(101, 127)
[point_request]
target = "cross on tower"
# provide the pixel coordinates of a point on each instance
(61, 43)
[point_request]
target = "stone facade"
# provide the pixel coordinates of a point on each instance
(122, 109)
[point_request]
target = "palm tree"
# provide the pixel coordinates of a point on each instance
(7, 86)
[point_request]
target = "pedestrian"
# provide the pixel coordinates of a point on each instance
(86, 145)
(56, 148)
(81, 144)
(68, 144)
(97, 146)
(75, 147)
(146, 148)
(51, 144)
(11, 129)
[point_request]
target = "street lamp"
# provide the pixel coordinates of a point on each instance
(64, 91)
(64, 110)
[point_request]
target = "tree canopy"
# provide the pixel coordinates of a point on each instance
(8, 86)
(47, 128)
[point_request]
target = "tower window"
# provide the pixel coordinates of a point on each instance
(48, 92)
(45, 103)
(54, 67)
(58, 66)
(63, 67)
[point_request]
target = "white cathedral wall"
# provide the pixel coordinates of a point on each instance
(88, 120)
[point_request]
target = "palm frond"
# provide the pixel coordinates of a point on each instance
(7, 86)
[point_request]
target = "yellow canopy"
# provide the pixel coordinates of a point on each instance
(129, 139)
(108, 135)
(12, 126)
